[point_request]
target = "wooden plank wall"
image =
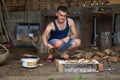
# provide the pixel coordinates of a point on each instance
(19, 5)
(86, 17)
(114, 2)
(86, 26)
(104, 22)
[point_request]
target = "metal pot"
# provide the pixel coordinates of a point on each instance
(29, 62)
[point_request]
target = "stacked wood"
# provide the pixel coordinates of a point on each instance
(100, 54)
(116, 48)
(89, 55)
(28, 39)
(108, 55)
(114, 58)
(110, 52)
(79, 54)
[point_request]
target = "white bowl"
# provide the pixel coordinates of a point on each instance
(29, 62)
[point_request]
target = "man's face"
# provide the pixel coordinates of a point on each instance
(61, 16)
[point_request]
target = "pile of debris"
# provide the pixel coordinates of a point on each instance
(106, 56)
(93, 61)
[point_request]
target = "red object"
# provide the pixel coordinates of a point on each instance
(49, 60)
(100, 67)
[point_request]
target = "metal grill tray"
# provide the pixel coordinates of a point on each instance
(62, 66)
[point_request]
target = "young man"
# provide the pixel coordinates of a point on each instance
(56, 35)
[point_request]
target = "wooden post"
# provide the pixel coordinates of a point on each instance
(105, 40)
(3, 24)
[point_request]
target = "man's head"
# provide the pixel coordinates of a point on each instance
(62, 8)
(61, 14)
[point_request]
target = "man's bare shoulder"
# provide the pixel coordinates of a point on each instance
(50, 25)
(70, 21)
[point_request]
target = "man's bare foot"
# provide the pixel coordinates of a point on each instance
(65, 56)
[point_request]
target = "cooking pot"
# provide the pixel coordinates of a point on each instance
(29, 62)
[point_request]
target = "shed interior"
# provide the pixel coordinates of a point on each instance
(92, 17)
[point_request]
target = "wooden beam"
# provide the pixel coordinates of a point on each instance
(3, 24)
(4, 6)
(113, 2)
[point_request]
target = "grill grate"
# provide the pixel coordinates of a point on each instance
(62, 66)
(80, 67)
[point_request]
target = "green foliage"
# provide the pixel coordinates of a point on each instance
(79, 78)
(51, 78)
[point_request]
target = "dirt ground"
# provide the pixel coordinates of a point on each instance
(13, 70)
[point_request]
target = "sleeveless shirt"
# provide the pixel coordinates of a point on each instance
(59, 34)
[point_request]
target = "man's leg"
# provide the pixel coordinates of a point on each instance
(50, 57)
(75, 43)
(64, 49)
(56, 43)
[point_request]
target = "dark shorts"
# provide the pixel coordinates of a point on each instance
(64, 45)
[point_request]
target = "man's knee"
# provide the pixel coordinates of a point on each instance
(76, 43)
(57, 43)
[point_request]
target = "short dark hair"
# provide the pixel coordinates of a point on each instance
(62, 8)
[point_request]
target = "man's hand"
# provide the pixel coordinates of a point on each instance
(66, 39)
(49, 46)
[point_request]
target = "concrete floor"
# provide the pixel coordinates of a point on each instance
(13, 70)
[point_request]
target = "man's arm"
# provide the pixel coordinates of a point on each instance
(73, 31)
(73, 28)
(46, 34)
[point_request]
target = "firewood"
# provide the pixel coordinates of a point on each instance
(89, 55)
(97, 58)
(79, 55)
(100, 54)
(86, 55)
(28, 39)
(30, 56)
(116, 48)
(114, 59)
(113, 53)
(107, 51)
(105, 57)
(110, 52)
(79, 51)
(25, 39)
